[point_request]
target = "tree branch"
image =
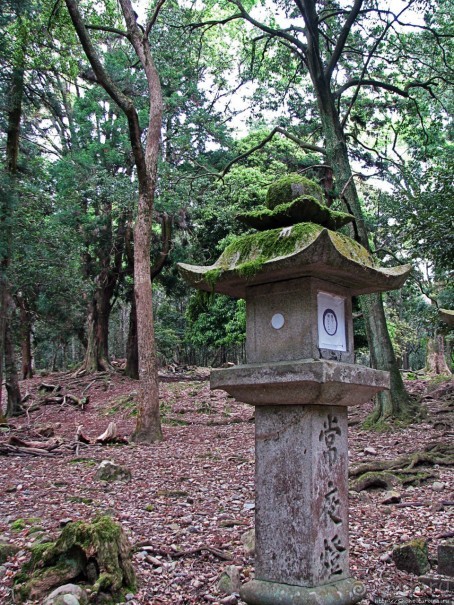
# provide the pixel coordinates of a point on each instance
(266, 140)
(342, 39)
(110, 30)
(154, 17)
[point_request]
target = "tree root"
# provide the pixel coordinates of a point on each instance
(406, 469)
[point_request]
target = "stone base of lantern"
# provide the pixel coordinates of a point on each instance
(343, 592)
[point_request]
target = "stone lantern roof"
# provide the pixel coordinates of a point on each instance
(302, 245)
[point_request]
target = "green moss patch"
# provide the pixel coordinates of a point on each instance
(303, 209)
(96, 553)
(290, 187)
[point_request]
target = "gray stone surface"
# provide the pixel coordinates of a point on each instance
(446, 559)
(301, 494)
(299, 382)
(110, 471)
(71, 591)
(296, 301)
(343, 592)
(248, 541)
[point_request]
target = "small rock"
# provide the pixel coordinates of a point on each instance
(66, 599)
(391, 497)
(386, 557)
(129, 596)
(229, 581)
(65, 522)
(248, 541)
(438, 486)
(230, 600)
(109, 471)
(412, 557)
(370, 450)
(2, 571)
(68, 594)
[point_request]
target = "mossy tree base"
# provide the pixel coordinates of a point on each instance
(96, 554)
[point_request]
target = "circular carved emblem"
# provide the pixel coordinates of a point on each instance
(277, 321)
(330, 322)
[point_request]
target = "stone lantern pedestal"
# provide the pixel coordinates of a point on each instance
(298, 281)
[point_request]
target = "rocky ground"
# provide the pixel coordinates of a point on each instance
(191, 498)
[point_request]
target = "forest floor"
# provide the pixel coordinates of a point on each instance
(196, 488)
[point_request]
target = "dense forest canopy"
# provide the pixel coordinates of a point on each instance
(130, 143)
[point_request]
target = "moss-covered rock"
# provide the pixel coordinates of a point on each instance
(291, 187)
(412, 557)
(96, 553)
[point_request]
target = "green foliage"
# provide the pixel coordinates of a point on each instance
(215, 321)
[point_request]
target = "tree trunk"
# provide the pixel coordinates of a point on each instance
(389, 404)
(26, 341)
(132, 353)
(2, 333)
(148, 426)
(436, 361)
(14, 104)
(13, 406)
(97, 351)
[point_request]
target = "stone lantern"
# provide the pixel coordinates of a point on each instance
(298, 277)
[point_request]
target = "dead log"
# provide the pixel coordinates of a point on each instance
(49, 445)
(49, 388)
(13, 450)
(110, 436)
(82, 402)
(80, 436)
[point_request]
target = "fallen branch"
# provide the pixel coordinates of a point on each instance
(49, 388)
(176, 554)
(12, 450)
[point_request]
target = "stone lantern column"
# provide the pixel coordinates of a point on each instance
(298, 280)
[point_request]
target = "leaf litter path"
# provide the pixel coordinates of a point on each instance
(195, 489)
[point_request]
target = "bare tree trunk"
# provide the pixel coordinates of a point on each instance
(148, 426)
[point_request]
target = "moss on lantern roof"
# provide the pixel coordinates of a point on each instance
(291, 187)
(304, 208)
(305, 249)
